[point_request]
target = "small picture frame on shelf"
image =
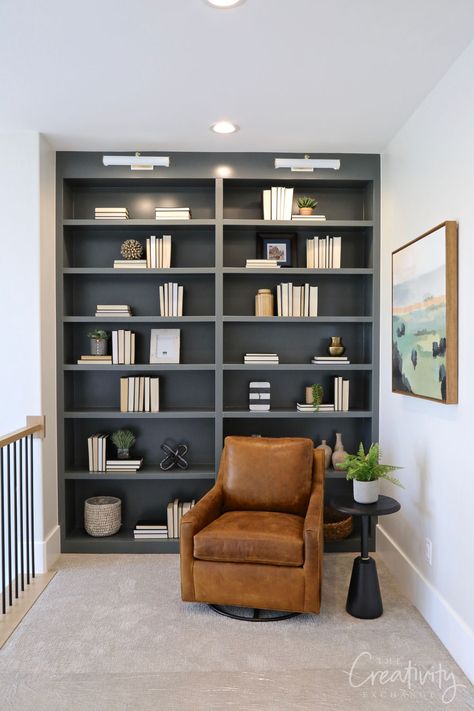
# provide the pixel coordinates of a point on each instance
(279, 246)
(165, 345)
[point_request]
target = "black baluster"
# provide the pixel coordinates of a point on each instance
(27, 513)
(22, 541)
(9, 519)
(32, 511)
(15, 514)
(2, 519)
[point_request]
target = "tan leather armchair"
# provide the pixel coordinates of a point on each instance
(256, 538)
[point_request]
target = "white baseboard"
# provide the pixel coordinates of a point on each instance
(453, 632)
(47, 552)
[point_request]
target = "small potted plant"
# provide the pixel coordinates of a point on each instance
(366, 471)
(99, 340)
(123, 440)
(306, 205)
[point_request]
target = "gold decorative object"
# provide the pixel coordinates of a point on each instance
(336, 346)
(131, 249)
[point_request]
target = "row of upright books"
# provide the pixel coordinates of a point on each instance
(113, 311)
(154, 530)
(111, 213)
(139, 394)
(158, 252)
(297, 300)
(98, 462)
(277, 203)
(323, 252)
(171, 299)
(123, 347)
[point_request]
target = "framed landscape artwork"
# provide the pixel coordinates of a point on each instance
(425, 316)
(281, 247)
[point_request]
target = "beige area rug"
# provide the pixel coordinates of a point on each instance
(110, 633)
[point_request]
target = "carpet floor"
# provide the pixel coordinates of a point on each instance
(110, 633)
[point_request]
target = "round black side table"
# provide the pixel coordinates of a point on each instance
(364, 599)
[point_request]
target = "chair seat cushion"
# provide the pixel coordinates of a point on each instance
(261, 537)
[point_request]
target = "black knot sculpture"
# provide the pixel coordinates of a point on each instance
(174, 455)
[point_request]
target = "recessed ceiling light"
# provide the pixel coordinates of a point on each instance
(224, 4)
(224, 127)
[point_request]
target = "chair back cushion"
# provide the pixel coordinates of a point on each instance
(267, 474)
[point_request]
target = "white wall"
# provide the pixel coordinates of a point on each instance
(27, 355)
(428, 177)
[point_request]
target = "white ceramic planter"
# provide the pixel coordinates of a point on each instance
(366, 492)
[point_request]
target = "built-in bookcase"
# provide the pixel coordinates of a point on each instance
(205, 396)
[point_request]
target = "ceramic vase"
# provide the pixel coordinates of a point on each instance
(98, 346)
(366, 492)
(327, 452)
(339, 453)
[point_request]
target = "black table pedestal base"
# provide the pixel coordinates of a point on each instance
(364, 599)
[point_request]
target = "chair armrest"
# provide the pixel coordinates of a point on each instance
(313, 535)
(206, 510)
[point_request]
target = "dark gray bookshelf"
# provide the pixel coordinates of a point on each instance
(205, 397)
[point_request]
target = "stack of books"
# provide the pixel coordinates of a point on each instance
(112, 311)
(323, 252)
(329, 360)
(261, 358)
(341, 394)
(123, 347)
(94, 359)
(123, 465)
(277, 203)
(150, 530)
(174, 512)
(172, 213)
(139, 394)
(304, 407)
(96, 447)
(158, 252)
(297, 300)
(171, 299)
(262, 264)
(259, 397)
(306, 218)
(111, 213)
(130, 264)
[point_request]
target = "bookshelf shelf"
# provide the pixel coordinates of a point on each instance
(205, 397)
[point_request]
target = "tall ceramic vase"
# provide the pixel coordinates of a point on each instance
(327, 452)
(339, 453)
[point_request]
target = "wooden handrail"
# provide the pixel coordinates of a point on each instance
(34, 425)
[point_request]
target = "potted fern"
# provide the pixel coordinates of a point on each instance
(123, 440)
(366, 471)
(306, 205)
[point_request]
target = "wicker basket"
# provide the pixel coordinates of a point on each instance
(336, 525)
(102, 515)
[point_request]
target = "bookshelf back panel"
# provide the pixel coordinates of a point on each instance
(150, 434)
(340, 295)
(178, 389)
(288, 388)
(242, 244)
(140, 196)
(345, 201)
(196, 340)
(141, 500)
(353, 431)
(83, 292)
(296, 342)
(92, 247)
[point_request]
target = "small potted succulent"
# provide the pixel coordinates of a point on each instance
(306, 205)
(99, 340)
(366, 471)
(123, 440)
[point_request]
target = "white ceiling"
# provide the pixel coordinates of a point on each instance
(296, 75)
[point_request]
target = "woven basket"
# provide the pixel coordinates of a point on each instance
(336, 525)
(102, 515)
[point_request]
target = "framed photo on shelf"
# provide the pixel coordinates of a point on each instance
(165, 345)
(425, 316)
(279, 246)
